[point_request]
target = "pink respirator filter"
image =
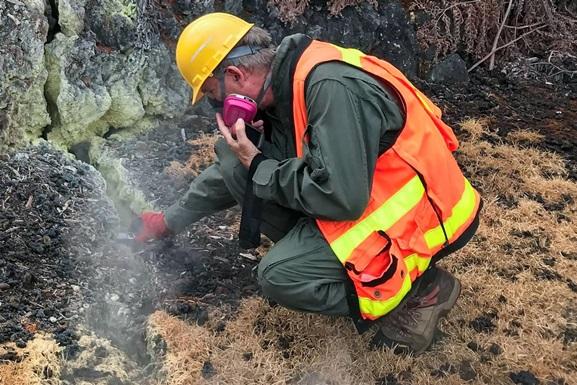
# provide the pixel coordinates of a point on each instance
(238, 107)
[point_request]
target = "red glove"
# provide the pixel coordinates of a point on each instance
(150, 225)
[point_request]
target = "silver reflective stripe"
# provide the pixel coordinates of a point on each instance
(199, 49)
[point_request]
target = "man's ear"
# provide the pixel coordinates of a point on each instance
(236, 73)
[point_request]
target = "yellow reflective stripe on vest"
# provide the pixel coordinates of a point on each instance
(350, 55)
(416, 261)
(377, 308)
(423, 101)
(391, 211)
(462, 211)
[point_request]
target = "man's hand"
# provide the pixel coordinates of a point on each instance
(150, 225)
(244, 149)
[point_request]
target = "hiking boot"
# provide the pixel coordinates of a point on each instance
(410, 328)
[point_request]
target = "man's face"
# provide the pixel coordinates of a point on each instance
(236, 81)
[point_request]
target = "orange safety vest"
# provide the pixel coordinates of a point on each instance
(420, 201)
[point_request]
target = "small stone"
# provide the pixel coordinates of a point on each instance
(474, 346)
(28, 280)
(495, 349)
(483, 323)
(208, 370)
(389, 379)
(114, 297)
(20, 344)
(466, 371)
(4, 286)
(75, 288)
(549, 261)
(202, 317)
(53, 319)
(452, 70)
(524, 377)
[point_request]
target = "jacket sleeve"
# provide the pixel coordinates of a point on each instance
(206, 195)
(347, 118)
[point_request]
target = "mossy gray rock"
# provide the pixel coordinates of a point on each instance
(163, 91)
(23, 113)
(71, 16)
(91, 91)
(76, 92)
(93, 75)
(114, 22)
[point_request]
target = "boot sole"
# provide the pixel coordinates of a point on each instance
(441, 312)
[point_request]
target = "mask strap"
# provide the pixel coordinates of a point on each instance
(221, 82)
(265, 87)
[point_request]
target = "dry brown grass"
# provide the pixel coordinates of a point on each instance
(40, 364)
(202, 156)
(523, 137)
(515, 273)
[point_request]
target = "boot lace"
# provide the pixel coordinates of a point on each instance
(409, 314)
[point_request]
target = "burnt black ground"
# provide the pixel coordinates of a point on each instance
(516, 104)
(60, 266)
(54, 212)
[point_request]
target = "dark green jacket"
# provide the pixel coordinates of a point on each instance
(352, 118)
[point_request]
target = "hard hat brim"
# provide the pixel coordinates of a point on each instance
(196, 96)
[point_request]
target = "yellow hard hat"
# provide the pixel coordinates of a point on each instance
(204, 43)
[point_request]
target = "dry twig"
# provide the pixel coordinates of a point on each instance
(496, 41)
(504, 46)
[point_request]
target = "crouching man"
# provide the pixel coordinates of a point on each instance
(355, 180)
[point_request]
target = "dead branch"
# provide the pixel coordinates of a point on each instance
(523, 26)
(496, 41)
(504, 46)
(559, 70)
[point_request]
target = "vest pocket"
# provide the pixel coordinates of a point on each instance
(381, 284)
(367, 251)
(371, 263)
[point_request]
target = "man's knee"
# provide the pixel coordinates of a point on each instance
(278, 278)
(268, 278)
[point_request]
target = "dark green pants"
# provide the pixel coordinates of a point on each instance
(300, 271)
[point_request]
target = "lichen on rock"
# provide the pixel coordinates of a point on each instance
(77, 94)
(23, 113)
